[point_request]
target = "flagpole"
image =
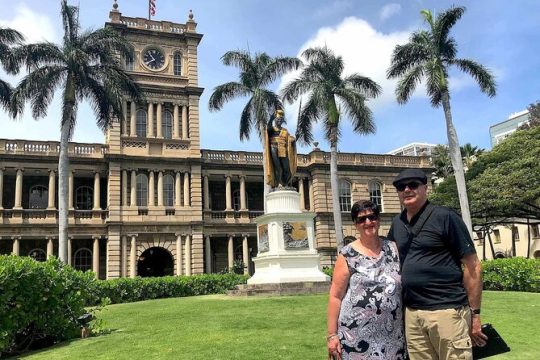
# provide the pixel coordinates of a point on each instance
(149, 10)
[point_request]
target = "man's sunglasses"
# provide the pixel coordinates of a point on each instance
(411, 185)
(362, 219)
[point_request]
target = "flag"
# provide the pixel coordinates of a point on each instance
(152, 5)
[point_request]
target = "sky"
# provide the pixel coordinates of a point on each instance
(501, 35)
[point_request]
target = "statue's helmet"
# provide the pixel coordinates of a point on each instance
(279, 113)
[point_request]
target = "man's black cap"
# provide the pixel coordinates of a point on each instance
(409, 174)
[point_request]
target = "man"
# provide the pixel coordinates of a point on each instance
(281, 152)
(442, 300)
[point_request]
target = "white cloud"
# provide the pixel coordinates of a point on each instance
(389, 10)
(34, 26)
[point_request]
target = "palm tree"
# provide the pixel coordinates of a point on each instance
(429, 54)
(8, 37)
(440, 160)
(256, 74)
(469, 154)
(86, 66)
(328, 91)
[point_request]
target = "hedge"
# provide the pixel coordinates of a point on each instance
(40, 302)
(125, 290)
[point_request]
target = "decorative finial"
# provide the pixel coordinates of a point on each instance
(190, 15)
(115, 5)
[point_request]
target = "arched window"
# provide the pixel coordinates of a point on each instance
(345, 200)
(167, 124)
(129, 60)
(168, 190)
(142, 190)
(177, 63)
(39, 197)
(375, 194)
(38, 254)
(84, 198)
(83, 259)
(141, 123)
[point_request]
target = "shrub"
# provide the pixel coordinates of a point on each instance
(125, 290)
(40, 302)
(512, 274)
(328, 270)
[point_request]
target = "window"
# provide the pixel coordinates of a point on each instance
(83, 259)
(39, 197)
(142, 190)
(515, 233)
(375, 194)
(480, 238)
(167, 125)
(141, 123)
(177, 63)
(129, 62)
(236, 199)
(84, 198)
(535, 231)
(168, 190)
(497, 235)
(38, 254)
(345, 202)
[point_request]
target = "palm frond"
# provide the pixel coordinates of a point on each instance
(238, 58)
(246, 120)
(481, 74)
(279, 67)
(224, 93)
(364, 84)
(295, 88)
(309, 115)
(265, 103)
(436, 83)
(5, 95)
(70, 22)
(355, 108)
(36, 55)
(407, 84)
(444, 23)
(10, 36)
(405, 57)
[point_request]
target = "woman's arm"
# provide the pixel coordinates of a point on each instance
(340, 282)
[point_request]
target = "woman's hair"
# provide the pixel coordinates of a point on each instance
(364, 205)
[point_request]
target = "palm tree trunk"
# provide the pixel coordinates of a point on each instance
(457, 163)
(63, 171)
(334, 184)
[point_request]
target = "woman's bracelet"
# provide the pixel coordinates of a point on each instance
(331, 336)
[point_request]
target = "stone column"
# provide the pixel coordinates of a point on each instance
(52, 191)
(206, 189)
(245, 253)
(133, 257)
(179, 257)
(176, 127)
(123, 256)
(230, 251)
(69, 251)
(124, 188)
(184, 122)
(132, 120)
(186, 189)
(18, 189)
(16, 245)
(70, 191)
(133, 194)
(159, 130)
(207, 255)
(311, 196)
(228, 200)
(188, 255)
(160, 188)
(95, 257)
(1, 187)
(97, 190)
(301, 191)
(151, 188)
(243, 193)
(124, 117)
(150, 118)
(177, 190)
(50, 247)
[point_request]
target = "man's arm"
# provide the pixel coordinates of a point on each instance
(472, 281)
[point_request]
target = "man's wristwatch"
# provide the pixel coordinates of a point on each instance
(475, 311)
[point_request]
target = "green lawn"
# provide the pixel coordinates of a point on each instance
(293, 327)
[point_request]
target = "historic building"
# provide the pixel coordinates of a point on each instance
(149, 201)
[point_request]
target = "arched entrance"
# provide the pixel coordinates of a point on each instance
(154, 262)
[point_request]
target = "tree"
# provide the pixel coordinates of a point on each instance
(534, 116)
(469, 154)
(440, 159)
(256, 74)
(86, 66)
(429, 54)
(328, 91)
(8, 37)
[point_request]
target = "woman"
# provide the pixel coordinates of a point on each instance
(365, 319)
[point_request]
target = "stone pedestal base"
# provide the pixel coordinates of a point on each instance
(291, 288)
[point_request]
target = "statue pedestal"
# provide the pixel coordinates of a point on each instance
(285, 235)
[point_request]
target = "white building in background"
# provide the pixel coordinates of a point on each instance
(502, 130)
(413, 149)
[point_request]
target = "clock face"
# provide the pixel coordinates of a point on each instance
(154, 59)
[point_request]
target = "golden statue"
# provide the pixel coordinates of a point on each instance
(281, 152)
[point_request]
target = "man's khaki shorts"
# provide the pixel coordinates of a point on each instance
(438, 334)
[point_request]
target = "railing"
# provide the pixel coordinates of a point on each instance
(51, 148)
(165, 26)
(218, 215)
(34, 214)
(83, 214)
(254, 214)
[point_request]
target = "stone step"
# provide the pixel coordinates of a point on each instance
(277, 289)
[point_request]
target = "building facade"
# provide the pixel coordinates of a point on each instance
(149, 201)
(502, 130)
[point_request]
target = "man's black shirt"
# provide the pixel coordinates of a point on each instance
(431, 272)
